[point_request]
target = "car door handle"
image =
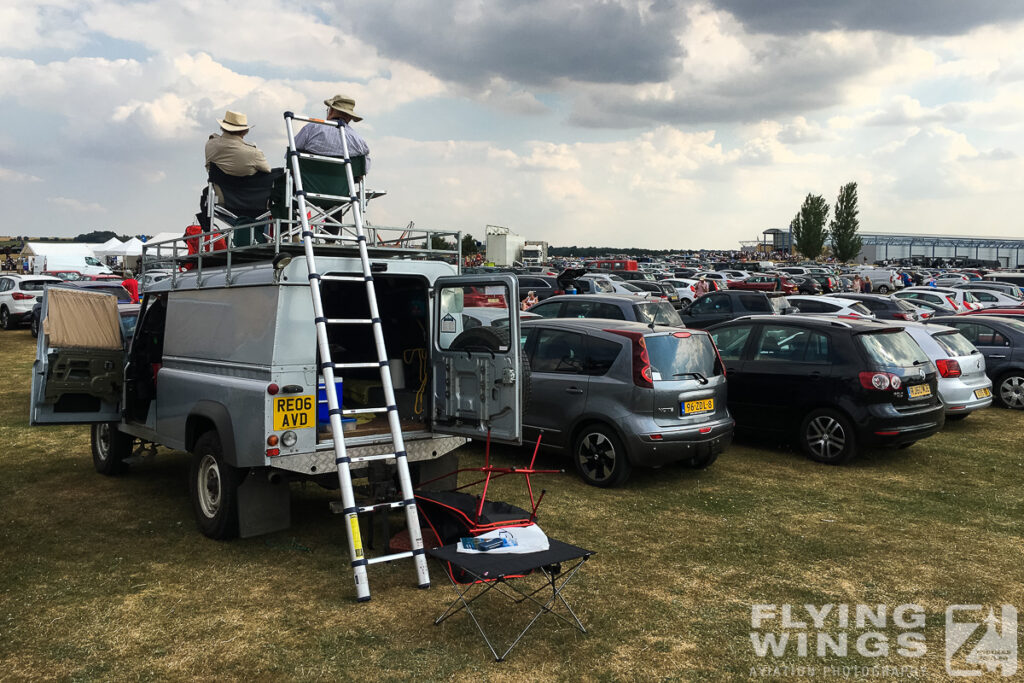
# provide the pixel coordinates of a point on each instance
(998, 355)
(573, 390)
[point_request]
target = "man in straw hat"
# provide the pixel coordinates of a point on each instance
(326, 140)
(232, 154)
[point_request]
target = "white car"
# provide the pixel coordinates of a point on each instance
(989, 298)
(18, 294)
(829, 305)
(950, 279)
(963, 385)
(959, 300)
(151, 277)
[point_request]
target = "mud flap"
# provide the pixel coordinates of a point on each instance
(263, 507)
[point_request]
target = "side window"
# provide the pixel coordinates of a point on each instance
(558, 351)
(547, 310)
(731, 340)
(818, 348)
(969, 331)
(983, 296)
(601, 354)
(782, 343)
(807, 306)
(827, 307)
(989, 337)
(755, 304)
(609, 311)
(703, 305)
(5, 284)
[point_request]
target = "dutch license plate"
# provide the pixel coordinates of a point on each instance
(702, 405)
(982, 393)
(919, 391)
(294, 412)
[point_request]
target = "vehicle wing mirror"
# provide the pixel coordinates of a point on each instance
(789, 310)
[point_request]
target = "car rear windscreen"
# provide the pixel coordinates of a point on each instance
(860, 308)
(892, 349)
(674, 358)
(903, 305)
(954, 343)
(35, 285)
(659, 313)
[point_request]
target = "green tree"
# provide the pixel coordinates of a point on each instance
(808, 226)
(438, 242)
(469, 245)
(846, 243)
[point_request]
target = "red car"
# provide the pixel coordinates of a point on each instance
(766, 283)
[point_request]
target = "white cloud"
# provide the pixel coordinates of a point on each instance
(77, 205)
(9, 176)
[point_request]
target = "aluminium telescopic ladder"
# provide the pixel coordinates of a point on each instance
(344, 462)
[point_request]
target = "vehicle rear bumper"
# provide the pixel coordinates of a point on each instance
(886, 426)
(958, 395)
(680, 443)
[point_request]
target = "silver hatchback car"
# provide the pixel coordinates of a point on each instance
(963, 385)
(615, 394)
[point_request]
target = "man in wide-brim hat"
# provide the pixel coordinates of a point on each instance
(317, 138)
(231, 152)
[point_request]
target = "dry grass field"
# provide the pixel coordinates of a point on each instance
(108, 579)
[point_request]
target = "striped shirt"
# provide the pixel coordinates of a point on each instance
(326, 140)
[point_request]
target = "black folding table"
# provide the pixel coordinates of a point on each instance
(491, 571)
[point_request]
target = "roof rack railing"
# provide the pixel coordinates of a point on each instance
(262, 239)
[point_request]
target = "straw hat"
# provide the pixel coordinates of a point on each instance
(345, 105)
(234, 122)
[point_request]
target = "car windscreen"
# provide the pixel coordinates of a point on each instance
(675, 356)
(659, 313)
(630, 288)
(892, 349)
(120, 292)
(954, 343)
(35, 285)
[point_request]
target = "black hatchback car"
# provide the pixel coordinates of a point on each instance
(838, 385)
(718, 307)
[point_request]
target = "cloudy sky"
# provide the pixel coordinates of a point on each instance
(653, 124)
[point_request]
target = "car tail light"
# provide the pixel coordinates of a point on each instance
(272, 389)
(21, 296)
(559, 291)
(643, 375)
(948, 367)
(952, 302)
(880, 381)
(901, 316)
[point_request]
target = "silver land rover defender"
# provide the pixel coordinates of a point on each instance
(223, 363)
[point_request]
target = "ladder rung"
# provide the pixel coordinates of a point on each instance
(344, 278)
(342, 366)
(389, 558)
(381, 506)
(350, 321)
(363, 411)
(371, 458)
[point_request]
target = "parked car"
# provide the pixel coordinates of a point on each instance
(830, 305)
(151, 277)
(718, 307)
(611, 306)
(68, 275)
(766, 283)
(837, 385)
(958, 300)
(989, 298)
(829, 283)
(486, 316)
(963, 385)
(885, 307)
(1007, 312)
(883, 280)
(617, 394)
(1001, 341)
(1007, 288)
(806, 285)
(18, 293)
(545, 286)
(124, 297)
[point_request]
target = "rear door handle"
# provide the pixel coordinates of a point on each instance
(573, 390)
(997, 356)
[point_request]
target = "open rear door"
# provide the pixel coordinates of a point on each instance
(476, 357)
(79, 369)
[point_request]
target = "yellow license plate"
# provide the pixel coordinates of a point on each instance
(982, 393)
(919, 391)
(702, 405)
(294, 412)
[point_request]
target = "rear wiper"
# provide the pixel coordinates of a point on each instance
(696, 375)
(920, 362)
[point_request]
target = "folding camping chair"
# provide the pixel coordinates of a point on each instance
(244, 208)
(452, 515)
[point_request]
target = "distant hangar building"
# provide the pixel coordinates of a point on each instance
(1006, 252)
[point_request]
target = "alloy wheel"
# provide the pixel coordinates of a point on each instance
(1011, 391)
(597, 454)
(826, 437)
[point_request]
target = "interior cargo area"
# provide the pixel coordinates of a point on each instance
(402, 301)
